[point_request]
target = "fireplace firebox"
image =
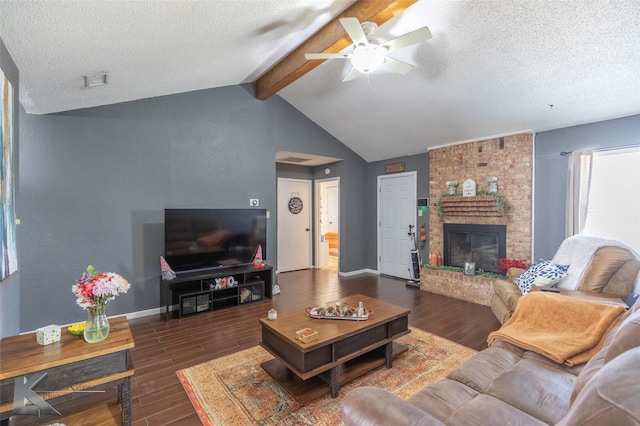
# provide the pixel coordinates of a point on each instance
(482, 244)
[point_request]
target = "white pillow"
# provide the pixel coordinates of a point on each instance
(542, 272)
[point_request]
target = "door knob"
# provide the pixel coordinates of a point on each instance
(307, 229)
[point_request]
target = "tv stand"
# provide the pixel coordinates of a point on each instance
(196, 292)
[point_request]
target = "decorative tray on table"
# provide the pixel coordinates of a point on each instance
(341, 312)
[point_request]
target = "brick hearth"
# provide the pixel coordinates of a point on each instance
(474, 289)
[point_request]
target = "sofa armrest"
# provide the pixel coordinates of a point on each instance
(513, 273)
(368, 406)
(508, 292)
(623, 281)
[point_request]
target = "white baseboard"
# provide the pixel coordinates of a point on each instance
(146, 313)
(358, 272)
(130, 315)
(351, 273)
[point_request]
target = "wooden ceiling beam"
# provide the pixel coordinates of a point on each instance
(332, 38)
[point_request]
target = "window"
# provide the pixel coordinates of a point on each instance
(614, 196)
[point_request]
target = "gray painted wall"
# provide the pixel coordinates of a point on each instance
(551, 172)
(10, 288)
(94, 184)
(418, 163)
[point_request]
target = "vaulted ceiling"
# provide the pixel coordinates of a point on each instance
(492, 67)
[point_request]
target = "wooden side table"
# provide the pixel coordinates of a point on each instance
(72, 365)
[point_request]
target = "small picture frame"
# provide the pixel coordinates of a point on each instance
(469, 268)
(394, 168)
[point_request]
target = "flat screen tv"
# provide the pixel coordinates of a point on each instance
(208, 238)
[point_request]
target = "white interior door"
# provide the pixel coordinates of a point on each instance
(333, 204)
(396, 211)
(328, 217)
(294, 224)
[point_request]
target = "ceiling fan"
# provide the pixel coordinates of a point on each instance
(368, 54)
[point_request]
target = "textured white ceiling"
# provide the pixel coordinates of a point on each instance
(150, 48)
(492, 67)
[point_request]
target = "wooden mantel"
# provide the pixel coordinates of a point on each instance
(479, 206)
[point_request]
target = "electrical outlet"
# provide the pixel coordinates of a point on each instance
(254, 202)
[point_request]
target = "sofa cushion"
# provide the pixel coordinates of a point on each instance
(545, 396)
(369, 406)
(611, 396)
(626, 336)
(442, 398)
(483, 368)
(541, 273)
(590, 369)
(605, 263)
(534, 356)
(487, 410)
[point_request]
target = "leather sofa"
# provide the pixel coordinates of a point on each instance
(506, 385)
(596, 265)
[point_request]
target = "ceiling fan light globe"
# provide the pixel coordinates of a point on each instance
(366, 58)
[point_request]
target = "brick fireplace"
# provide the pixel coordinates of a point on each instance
(509, 159)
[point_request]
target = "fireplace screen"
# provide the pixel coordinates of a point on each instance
(482, 244)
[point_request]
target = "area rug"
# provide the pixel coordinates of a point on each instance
(234, 390)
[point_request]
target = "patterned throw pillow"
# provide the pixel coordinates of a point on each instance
(542, 272)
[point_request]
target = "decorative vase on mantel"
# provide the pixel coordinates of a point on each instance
(97, 326)
(493, 184)
(451, 185)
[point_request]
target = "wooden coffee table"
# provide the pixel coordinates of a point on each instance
(344, 350)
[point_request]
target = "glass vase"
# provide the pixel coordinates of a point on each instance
(97, 327)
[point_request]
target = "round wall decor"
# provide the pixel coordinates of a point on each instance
(295, 203)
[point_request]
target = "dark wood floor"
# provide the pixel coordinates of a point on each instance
(161, 348)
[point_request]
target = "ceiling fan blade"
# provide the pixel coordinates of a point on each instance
(396, 66)
(354, 29)
(310, 56)
(414, 37)
(353, 73)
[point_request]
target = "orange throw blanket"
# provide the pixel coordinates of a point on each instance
(562, 328)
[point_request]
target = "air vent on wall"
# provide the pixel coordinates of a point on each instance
(99, 79)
